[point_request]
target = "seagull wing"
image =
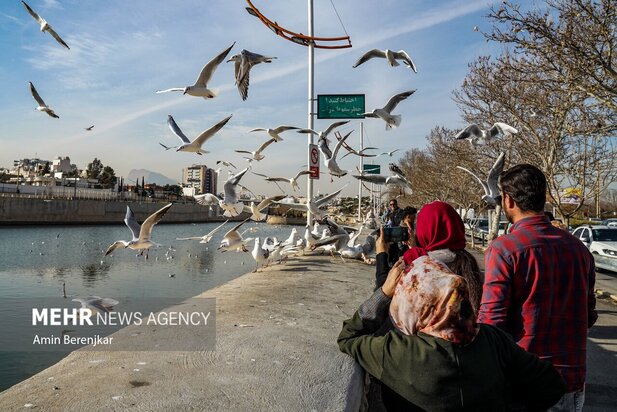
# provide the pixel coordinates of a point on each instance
(326, 199)
(153, 219)
(300, 173)
(176, 130)
(402, 54)
(284, 128)
(231, 235)
(396, 99)
(116, 245)
(339, 145)
(369, 55)
(205, 135)
(264, 145)
(57, 37)
(216, 229)
(33, 13)
(230, 186)
(132, 224)
(173, 89)
(278, 179)
(470, 131)
(36, 95)
(377, 179)
(334, 126)
(207, 199)
(484, 186)
(502, 128)
(210, 67)
(268, 201)
(493, 175)
(259, 129)
(307, 131)
(243, 85)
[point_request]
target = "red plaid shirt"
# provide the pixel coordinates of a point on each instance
(539, 288)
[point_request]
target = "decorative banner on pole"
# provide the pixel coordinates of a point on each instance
(314, 161)
(371, 169)
(340, 106)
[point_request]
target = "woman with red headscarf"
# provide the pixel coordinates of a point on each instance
(438, 357)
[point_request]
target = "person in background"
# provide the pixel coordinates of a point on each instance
(389, 252)
(539, 283)
(555, 222)
(393, 215)
(438, 357)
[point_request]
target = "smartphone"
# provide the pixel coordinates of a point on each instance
(395, 234)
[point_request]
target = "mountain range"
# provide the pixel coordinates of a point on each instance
(149, 177)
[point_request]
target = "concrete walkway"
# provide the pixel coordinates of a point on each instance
(276, 350)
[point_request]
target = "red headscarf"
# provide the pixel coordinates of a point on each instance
(438, 226)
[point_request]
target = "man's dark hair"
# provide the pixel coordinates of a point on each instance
(550, 215)
(393, 200)
(525, 184)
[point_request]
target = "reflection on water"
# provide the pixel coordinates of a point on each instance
(37, 261)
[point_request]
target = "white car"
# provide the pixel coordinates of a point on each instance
(601, 242)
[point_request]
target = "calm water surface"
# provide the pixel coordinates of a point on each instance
(36, 261)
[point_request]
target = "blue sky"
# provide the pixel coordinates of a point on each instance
(123, 51)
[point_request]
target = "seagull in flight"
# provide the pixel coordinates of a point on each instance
(45, 26)
(491, 189)
(225, 163)
(89, 129)
(243, 62)
(330, 157)
(207, 237)
(385, 112)
(293, 181)
(314, 205)
(141, 234)
(360, 152)
(42, 107)
(274, 133)
(256, 155)
(230, 202)
(200, 88)
(195, 145)
(232, 240)
(167, 147)
(397, 178)
(324, 134)
(390, 55)
(390, 153)
(478, 137)
(255, 210)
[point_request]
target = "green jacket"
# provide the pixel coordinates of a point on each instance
(437, 375)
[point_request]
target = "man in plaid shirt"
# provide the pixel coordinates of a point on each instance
(539, 283)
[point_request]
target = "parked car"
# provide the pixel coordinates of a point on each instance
(602, 243)
(608, 222)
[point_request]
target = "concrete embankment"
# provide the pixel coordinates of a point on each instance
(24, 211)
(275, 350)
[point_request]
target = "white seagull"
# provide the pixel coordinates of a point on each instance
(491, 189)
(230, 202)
(275, 133)
(256, 155)
(259, 254)
(397, 178)
(324, 134)
(293, 181)
(45, 26)
(330, 157)
(232, 240)
(97, 303)
(141, 234)
(478, 137)
(226, 164)
(200, 88)
(390, 153)
(207, 199)
(385, 112)
(255, 210)
(390, 55)
(314, 205)
(207, 237)
(195, 145)
(244, 61)
(167, 147)
(42, 107)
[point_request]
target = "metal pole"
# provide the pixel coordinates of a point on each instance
(361, 169)
(311, 94)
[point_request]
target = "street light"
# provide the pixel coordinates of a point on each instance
(311, 42)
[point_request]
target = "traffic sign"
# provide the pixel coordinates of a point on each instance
(314, 161)
(371, 169)
(340, 106)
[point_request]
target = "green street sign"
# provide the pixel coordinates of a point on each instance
(371, 169)
(340, 106)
